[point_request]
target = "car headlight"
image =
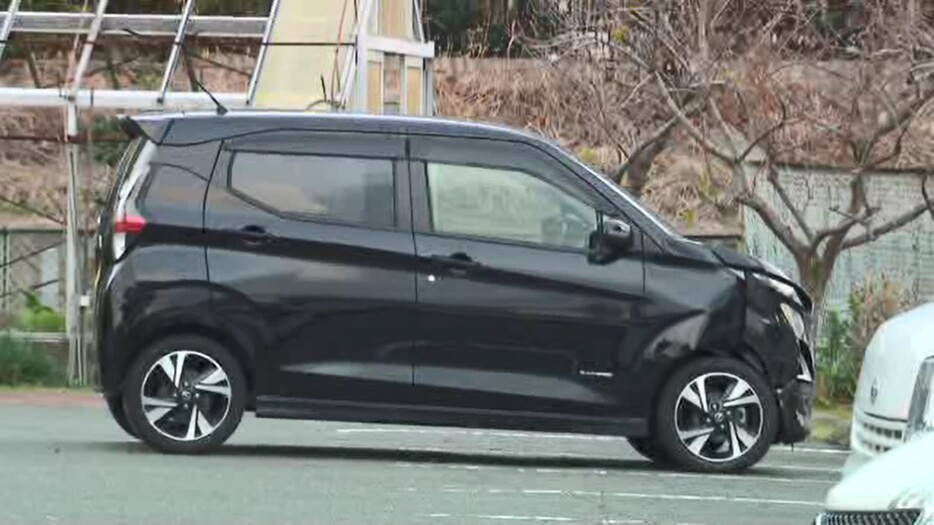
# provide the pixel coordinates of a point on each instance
(921, 410)
(795, 321)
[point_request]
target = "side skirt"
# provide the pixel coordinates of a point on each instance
(291, 408)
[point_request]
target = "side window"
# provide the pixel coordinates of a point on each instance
(344, 189)
(506, 205)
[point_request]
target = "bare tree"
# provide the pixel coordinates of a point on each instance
(610, 63)
(755, 86)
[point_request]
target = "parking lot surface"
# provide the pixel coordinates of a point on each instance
(70, 464)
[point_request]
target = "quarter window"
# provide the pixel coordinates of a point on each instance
(343, 189)
(506, 205)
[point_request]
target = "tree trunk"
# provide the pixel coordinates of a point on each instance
(815, 272)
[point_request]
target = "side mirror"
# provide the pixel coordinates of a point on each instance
(613, 237)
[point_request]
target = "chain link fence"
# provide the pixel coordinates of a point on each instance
(32, 264)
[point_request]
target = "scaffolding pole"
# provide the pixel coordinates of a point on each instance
(263, 48)
(363, 57)
(115, 99)
(8, 25)
(177, 47)
(77, 363)
(246, 27)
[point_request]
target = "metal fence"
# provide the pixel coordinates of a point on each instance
(32, 261)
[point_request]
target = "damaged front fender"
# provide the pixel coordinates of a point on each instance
(718, 310)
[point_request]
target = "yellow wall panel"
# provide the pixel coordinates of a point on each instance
(395, 18)
(291, 75)
(414, 91)
(375, 88)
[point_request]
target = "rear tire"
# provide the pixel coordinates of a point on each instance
(185, 395)
(716, 415)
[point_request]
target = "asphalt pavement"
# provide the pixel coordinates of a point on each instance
(73, 465)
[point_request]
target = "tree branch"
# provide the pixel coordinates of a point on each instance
(660, 135)
(927, 198)
(35, 211)
(796, 213)
(782, 231)
(844, 226)
(890, 226)
(766, 134)
(691, 128)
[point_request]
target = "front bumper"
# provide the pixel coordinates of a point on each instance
(872, 436)
(885, 517)
(795, 403)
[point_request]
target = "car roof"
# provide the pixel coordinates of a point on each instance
(195, 128)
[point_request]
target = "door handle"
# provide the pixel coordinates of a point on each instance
(455, 261)
(254, 235)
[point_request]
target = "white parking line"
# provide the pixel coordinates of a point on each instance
(509, 517)
(690, 497)
(553, 436)
(802, 468)
(812, 450)
(639, 495)
(643, 473)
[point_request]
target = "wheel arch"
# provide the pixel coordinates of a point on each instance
(741, 353)
(158, 331)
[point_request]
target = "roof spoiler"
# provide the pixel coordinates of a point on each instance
(152, 129)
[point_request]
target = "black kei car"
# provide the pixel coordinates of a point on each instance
(429, 272)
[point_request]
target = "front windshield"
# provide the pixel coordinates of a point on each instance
(656, 219)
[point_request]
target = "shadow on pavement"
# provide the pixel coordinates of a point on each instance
(396, 455)
(445, 457)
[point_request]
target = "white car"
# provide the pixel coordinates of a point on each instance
(896, 488)
(893, 399)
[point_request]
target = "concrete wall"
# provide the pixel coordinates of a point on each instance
(906, 255)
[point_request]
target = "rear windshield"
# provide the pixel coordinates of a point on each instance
(123, 168)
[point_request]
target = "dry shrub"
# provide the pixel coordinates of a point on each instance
(518, 93)
(20, 124)
(877, 300)
(681, 187)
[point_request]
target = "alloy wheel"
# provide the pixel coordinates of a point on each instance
(718, 417)
(185, 395)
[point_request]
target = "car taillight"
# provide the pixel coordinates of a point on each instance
(125, 228)
(130, 224)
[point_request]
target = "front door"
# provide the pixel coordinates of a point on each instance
(311, 253)
(512, 314)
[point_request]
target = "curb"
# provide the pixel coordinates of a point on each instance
(62, 398)
(830, 428)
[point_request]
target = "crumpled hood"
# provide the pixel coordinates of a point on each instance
(899, 479)
(748, 263)
(891, 363)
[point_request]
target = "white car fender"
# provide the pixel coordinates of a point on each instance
(900, 479)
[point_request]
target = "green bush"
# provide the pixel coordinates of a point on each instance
(22, 364)
(840, 352)
(37, 317)
(837, 367)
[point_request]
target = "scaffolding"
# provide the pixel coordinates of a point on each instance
(353, 84)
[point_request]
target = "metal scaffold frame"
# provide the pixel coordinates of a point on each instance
(72, 98)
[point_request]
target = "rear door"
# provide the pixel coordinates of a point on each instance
(311, 261)
(512, 314)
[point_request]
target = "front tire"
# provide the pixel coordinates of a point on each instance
(115, 405)
(185, 395)
(647, 448)
(716, 415)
